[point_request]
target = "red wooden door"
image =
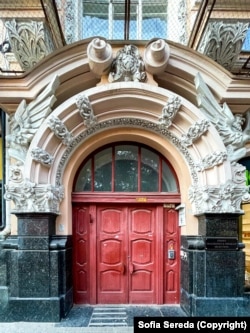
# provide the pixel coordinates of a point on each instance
(171, 293)
(81, 254)
(126, 266)
(142, 263)
(121, 254)
(111, 255)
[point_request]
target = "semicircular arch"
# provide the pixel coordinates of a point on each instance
(128, 111)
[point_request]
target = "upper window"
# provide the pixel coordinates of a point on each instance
(126, 168)
(246, 44)
(144, 19)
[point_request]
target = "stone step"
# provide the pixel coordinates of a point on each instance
(108, 316)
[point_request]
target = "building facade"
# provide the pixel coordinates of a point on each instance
(123, 181)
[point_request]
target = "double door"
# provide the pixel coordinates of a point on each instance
(121, 254)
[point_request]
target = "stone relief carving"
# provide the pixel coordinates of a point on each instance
(85, 109)
(229, 125)
(211, 160)
(170, 110)
(195, 132)
(128, 65)
(15, 180)
(27, 119)
(48, 198)
(182, 17)
(60, 130)
(30, 42)
(224, 198)
(127, 122)
(221, 198)
(72, 33)
(28, 196)
(41, 156)
(223, 42)
(16, 173)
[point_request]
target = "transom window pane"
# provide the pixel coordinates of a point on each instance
(126, 168)
(149, 171)
(168, 181)
(85, 178)
(103, 170)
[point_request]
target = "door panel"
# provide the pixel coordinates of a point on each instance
(111, 257)
(171, 266)
(81, 263)
(142, 287)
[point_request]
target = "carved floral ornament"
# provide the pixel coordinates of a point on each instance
(130, 66)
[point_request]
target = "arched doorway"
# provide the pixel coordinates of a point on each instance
(125, 227)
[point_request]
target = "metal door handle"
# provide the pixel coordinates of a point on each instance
(131, 268)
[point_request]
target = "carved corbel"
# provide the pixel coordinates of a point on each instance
(195, 132)
(85, 109)
(41, 156)
(211, 160)
(169, 111)
(60, 130)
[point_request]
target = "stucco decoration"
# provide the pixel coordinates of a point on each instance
(28, 196)
(195, 132)
(229, 125)
(223, 42)
(30, 41)
(128, 65)
(15, 180)
(170, 110)
(211, 160)
(27, 119)
(224, 198)
(85, 109)
(156, 56)
(42, 156)
(129, 123)
(100, 56)
(60, 130)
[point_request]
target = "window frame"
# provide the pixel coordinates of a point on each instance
(90, 160)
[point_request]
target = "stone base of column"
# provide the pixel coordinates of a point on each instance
(215, 306)
(33, 310)
(213, 269)
(36, 272)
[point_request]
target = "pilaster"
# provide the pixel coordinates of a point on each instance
(37, 271)
(212, 278)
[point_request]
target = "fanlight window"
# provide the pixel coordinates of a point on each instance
(126, 168)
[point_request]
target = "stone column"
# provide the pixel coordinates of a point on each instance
(213, 268)
(38, 273)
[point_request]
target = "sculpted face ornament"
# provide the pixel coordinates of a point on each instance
(128, 66)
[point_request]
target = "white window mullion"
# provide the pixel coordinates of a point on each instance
(110, 18)
(139, 20)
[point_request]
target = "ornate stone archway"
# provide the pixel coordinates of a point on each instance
(47, 150)
(187, 136)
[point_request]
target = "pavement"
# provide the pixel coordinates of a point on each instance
(95, 319)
